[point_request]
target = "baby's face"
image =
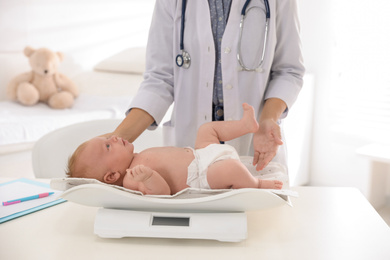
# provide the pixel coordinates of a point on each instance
(112, 154)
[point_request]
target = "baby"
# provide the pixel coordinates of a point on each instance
(168, 170)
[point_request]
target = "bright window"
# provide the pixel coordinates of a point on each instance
(360, 91)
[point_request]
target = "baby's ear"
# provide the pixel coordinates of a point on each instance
(111, 177)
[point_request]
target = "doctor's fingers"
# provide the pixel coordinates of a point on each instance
(264, 159)
(107, 135)
(258, 156)
(258, 159)
(255, 158)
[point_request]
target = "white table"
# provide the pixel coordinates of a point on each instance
(325, 223)
(379, 156)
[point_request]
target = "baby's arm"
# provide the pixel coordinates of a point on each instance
(145, 180)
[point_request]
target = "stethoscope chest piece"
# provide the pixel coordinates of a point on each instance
(183, 60)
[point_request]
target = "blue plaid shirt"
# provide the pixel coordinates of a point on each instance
(219, 14)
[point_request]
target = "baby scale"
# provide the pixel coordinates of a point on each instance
(190, 214)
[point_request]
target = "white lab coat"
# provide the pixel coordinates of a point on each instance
(191, 89)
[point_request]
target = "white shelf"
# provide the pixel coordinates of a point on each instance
(376, 152)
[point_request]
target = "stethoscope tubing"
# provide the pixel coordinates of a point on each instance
(183, 15)
(266, 4)
(185, 55)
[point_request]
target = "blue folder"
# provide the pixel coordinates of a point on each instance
(30, 210)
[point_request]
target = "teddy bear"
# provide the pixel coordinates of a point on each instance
(43, 83)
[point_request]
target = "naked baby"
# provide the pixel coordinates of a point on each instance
(168, 170)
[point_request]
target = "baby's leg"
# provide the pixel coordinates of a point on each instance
(231, 173)
(214, 132)
(145, 180)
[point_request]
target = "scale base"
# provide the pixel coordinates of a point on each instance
(225, 227)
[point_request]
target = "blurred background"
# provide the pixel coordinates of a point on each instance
(338, 131)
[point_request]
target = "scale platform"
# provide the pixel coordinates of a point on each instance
(191, 213)
(225, 227)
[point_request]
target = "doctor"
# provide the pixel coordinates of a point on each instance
(206, 60)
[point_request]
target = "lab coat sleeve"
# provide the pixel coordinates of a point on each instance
(287, 69)
(155, 94)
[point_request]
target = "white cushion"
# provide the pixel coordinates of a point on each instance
(131, 61)
(20, 124)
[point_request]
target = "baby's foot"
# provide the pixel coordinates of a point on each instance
(270, 184)
(249, 118)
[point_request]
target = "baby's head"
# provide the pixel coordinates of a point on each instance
(101, 158)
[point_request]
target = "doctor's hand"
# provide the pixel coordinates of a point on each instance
(136, 121)
(266, 142)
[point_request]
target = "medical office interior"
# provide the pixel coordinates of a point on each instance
(337, 132)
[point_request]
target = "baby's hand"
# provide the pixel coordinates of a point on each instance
(145, 180)
(139, 173)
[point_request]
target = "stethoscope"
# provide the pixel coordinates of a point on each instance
(184, 59)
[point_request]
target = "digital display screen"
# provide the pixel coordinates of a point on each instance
(171, 221)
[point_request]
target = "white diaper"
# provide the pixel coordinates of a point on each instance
(204, 157)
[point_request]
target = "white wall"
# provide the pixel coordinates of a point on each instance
(86, 31)
(298, 134)
(315, 31)
(334, 161)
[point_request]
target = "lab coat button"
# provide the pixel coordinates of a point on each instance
(227, 50)
(220, 112)
(229, 86)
